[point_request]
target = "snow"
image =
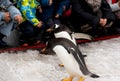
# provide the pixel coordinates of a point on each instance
(103, 58)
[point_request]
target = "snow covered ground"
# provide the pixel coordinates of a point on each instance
(103, 58)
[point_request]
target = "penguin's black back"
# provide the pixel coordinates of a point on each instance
(61, 41)
(62, 28)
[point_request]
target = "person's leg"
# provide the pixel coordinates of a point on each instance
(27, 32)
(115, 29)
(75, 23)
(31, 34)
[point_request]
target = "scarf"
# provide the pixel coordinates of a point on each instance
(94, 4)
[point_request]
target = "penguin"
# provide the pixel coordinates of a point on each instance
(64, 32)
(71, 57)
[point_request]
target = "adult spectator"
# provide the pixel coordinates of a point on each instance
(91, 16)
(8, 16)
(52, 10)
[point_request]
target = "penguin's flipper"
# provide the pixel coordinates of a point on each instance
(80, 62)
(82, 36)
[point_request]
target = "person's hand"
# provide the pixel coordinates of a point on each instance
(64, 8)
(39, 25)
(119, 3)
(7, 17)
(103, 22)
(117, 14)
(39, 9)
(19, 19)
(50, 2)
(57, 16)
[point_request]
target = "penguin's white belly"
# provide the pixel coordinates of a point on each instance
(66, 35)
(68, 60)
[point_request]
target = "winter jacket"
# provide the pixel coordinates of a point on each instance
(114, 5)
(5, 28)
(82, 12)
(28, 10)
(61, 4)
(55, 8)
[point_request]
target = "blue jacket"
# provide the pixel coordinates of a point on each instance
(55, 8)
(28, 10)
(5, 28)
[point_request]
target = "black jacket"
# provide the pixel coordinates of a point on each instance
(82, 12)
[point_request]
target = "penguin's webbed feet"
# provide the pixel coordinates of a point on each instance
(81, 79)
(68, 79)
(61, 65)
(94, 76)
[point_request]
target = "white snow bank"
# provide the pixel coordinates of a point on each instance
(103, 58)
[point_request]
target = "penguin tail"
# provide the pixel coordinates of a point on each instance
(94, 76)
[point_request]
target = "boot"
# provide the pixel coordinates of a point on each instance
(2, 43)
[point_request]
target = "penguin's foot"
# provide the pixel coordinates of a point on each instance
(61, 65)
(68, 79)
(94, 76)
(81, 79)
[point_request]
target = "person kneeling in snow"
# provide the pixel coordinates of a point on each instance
(115, 6)
(8, 16)
(32, 28)
(91, 16)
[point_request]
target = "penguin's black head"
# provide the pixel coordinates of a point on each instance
(59, 28)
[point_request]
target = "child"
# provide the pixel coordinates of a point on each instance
(32, 27)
